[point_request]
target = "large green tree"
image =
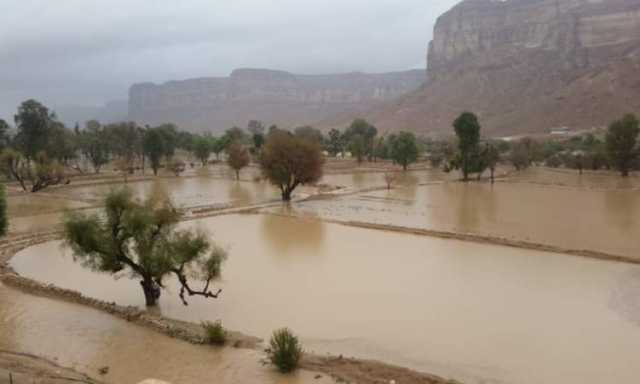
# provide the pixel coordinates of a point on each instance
(361, 129)
(94, 144)
(202, 148)
(288, 161)
(335, 143)
(156, 146)
(404, 149)
(467, 130)
(621, 140)
(5, 135)
(34, 123)
(142, 238)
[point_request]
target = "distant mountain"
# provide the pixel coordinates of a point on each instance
(274, 97)
(525, 66)
(113, 111)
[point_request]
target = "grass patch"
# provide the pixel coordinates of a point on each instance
(214, 332)
(285, 350)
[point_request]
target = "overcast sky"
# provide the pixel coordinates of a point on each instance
(86, 52)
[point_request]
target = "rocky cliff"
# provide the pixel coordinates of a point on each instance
(274, 97)
(525, 66)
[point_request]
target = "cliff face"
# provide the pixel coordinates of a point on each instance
(525, 66)
(274, 97)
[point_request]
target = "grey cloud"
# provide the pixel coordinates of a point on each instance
(89, 51)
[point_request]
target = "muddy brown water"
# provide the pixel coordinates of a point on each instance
(476, 312)
(600, 220)
(87, 340)
(185, 191)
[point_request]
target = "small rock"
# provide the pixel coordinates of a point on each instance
(103, 370)
(317, 377)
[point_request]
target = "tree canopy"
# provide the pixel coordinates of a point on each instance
(288, 161)
(467, 129)
(404, 149)
(621, 140)
(142, 238)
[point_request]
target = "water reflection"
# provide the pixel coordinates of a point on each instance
(292, 239)
(238, 193)
(86, 340)
(475, 312)
(562, 217)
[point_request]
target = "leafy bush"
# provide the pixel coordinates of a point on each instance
(214, 333)
(285, 351)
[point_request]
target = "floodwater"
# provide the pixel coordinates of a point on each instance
(475, 312)
(606, 180)
(38, 212)
(185, 192)
(86, 339)
(363, 180)
(600, 220)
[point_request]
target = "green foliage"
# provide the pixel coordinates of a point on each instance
(34, 125)
(467, 130)
(214, 332)
(33, 175)
(288, 161)
(202, 148)
(94, 144)
(360, 135)
(4, 219)
(285, 350)
(404, 149)
(358, 147)
(335, 143)
(621, 140)
(142, 238)
(5, 136)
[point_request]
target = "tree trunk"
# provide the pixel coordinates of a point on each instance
(625, 172)
(237, 175)
(151, 292)
(404, 167)
(286, 195)
(492, 172)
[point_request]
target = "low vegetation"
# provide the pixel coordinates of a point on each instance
(285, 350)
(214, 332)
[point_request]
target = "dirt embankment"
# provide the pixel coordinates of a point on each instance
(340, 369)
(23, 368)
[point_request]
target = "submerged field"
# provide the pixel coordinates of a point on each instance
(475, 312)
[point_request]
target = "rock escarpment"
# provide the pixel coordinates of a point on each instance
(274, 97)
(526, 66)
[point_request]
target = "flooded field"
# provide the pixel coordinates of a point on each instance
(601, 220)
(88, 340)
(573, 179)
(479, 313)
(363, 180)
(183, 191)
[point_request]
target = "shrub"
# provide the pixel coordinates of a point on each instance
(214, 333)
(285, 351)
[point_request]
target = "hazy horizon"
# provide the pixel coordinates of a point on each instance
(93, 51)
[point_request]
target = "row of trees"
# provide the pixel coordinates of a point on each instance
(616, 148)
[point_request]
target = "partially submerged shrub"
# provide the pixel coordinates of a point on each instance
(285, 351)
(214, 332)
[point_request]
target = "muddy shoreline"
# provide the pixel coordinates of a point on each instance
(337, 367)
